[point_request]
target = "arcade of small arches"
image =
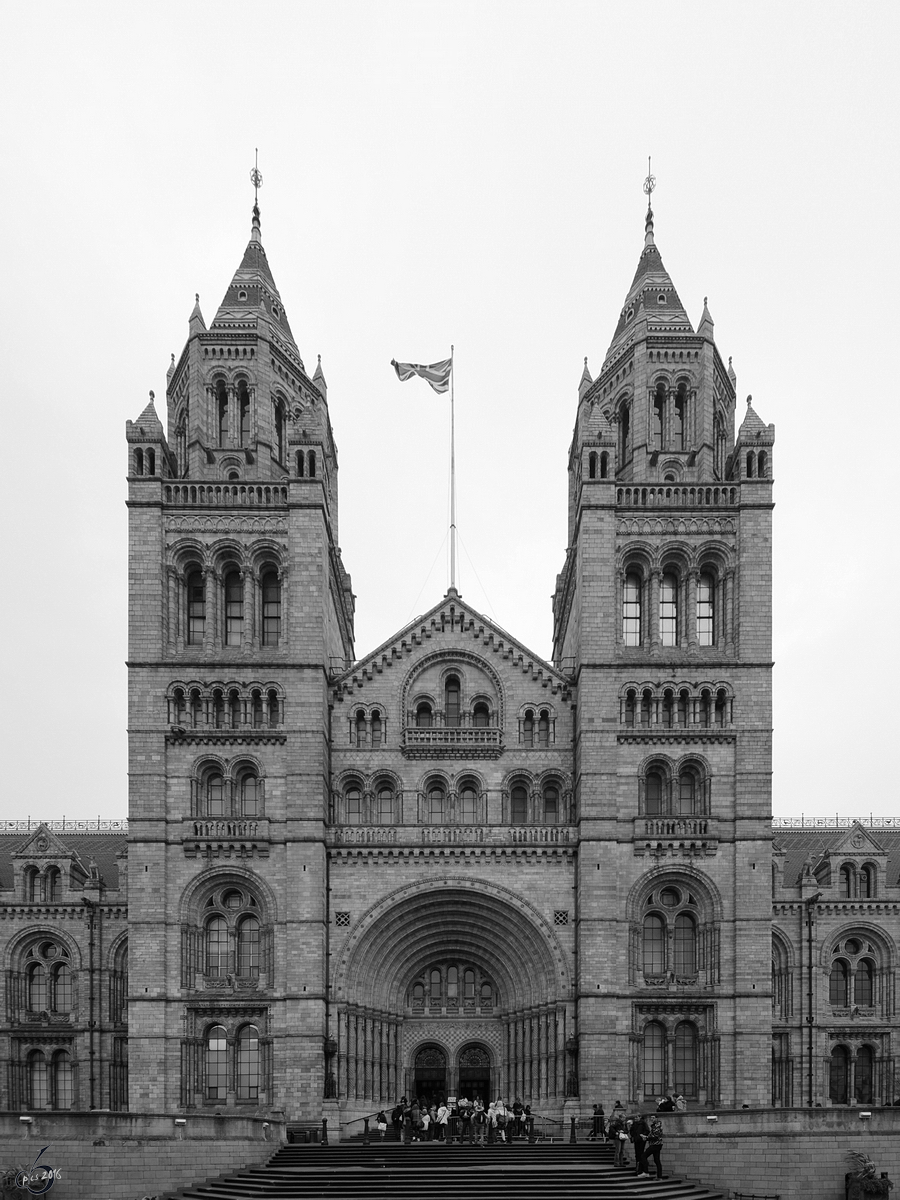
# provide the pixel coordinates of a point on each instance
(856, 881)
(677, 706)
(225, 706)
(438, 801)
(666, 788)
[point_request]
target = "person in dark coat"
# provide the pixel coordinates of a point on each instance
(654, 1145)
(640, 1131)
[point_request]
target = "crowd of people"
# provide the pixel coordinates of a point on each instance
(456, 1119)
(466, 1120)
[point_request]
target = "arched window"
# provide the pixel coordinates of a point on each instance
(353, 805)
(248, 786)
(684, 707)
(839, 1082)
(222, 411)
(654, 955)
(279, 431)
(518, 806)
(624, 435)
(654, 793)
(864, 983)
(36, 977)
(436, 798)
(751, 464)
(61, 988)
(217, 948)
(215, 794)
(234, 608)
(418, 995)
(271, 608)
(376, 729)
(274, 708)
(658, 424)
(481, 716)
(452, 983)
(63, 1080)
(706, 708)
(196, 607)
(528, 728)
(487, 995)
(216, 1063)
(864, 1075)
(385, 805)
(468, 803)
(667, 712)
(763, 464)
(544, 728)
(361, 738)
(668, 609)
(631, 613)
(38, 1083)
(604, 465)
(592, 465)
(53, 885)
(687, 792)
(721, 711)
(423, 715)
(138, 462)
(686, 1058)
(551, 805)
(845, 882)
(685, 944)
(244, 412)
(654, 1059)
(839, 984)
(451, 701)
(630, 707)
(196, 708)
(312, 464)
(435, 991)
(300, 463)
(679, 412)
(33, 885)
(248, 1063)
(867, 877)
(706, 606)
(469, 987)
(248, 948)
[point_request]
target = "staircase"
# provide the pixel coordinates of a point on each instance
(434, 1171)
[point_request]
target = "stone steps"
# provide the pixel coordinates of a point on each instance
(434, 1171)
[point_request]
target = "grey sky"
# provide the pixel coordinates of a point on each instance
(437, 173)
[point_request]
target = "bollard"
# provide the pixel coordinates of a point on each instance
(572, 1138)
(366, 1141)
(324, 1131)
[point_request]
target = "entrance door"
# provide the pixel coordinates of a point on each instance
(475, 1074)
(430, 1075)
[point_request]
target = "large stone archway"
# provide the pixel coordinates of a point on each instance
(522, 1029)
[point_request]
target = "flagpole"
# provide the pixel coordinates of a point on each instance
(452, 479)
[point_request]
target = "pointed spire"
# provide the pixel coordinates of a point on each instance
(319, 377)
(706, 326)
(585, 382)
(171, 370)
(255, 232)
(148, 422)
(196, 321)
(732, 374)
(752, 422)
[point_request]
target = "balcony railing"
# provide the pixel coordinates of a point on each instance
(452, 742)
(678, 496)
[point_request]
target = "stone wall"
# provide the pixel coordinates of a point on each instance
(124, 1156)
(797, 1154)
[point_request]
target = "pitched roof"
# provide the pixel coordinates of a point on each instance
(253, 301)
(451, 612)
(799, 844)
(102, 847)
(752, 423)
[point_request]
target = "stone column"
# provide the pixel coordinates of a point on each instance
(690, 623)
(653, 614)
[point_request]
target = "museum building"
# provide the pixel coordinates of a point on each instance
(447, 867)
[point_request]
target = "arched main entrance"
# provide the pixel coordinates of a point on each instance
(430, 1075)
(474, 1073)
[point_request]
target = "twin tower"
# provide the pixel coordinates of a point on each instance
(448, 867)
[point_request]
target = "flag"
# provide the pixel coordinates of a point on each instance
(437, 374)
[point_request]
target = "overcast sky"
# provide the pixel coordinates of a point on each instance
(437, 173)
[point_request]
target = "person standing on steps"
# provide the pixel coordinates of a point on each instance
(654, 1145)
(640, 1131)
(619, 1135)
(397, 1118)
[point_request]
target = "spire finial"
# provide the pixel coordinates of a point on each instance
(256, 179)
(749, 401)
(152, 397)
(649, 185)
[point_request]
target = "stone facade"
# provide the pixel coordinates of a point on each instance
(448, 866)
